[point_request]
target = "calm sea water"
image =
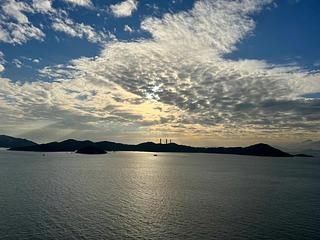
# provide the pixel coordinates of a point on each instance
(171, 196)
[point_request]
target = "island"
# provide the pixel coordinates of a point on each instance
(91, 150)
(10, 142)
(90, 147)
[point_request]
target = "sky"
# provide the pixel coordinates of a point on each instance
(200, 72)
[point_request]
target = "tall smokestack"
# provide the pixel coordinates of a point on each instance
(160, 141)
(166, 141)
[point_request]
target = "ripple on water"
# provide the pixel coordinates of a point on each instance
(174, 196)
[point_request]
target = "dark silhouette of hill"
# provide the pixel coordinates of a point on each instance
(91, 150)
(12, 142)
(302, 155)
(74, 145)
(69, 145)
(307, 147)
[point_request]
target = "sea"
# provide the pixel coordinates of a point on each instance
(138, 195)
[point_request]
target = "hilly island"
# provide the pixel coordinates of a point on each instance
(90, 147)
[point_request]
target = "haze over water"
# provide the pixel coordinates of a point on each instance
(170, 196)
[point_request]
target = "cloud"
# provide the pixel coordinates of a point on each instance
(80, 30)
(2, 57)
(2, 61)
(125, 8)
(66, 27)
(17, 63)
(15, 27)
(183, 66)
(76, 104)
(25, 61)
(127, 28)
(15, 10)
(43, 6)
(83, 3)
(177, 82)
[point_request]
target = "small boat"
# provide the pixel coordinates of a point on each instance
(155, 155)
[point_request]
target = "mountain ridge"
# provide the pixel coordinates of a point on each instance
(9, 142)
(72, 145)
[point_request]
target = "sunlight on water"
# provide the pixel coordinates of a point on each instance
(169, 196)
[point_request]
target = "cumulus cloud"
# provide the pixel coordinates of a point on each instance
(74, 104)
(2, 57)
(43, 6)
(15, 10)
(178, 81)
(14, 24)
(127, 28)
(15, 27)
(125, 8)
(17, 63)
(83, 3)
(80, 30)
(2, 61)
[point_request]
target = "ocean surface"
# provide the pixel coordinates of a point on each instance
(131, 195)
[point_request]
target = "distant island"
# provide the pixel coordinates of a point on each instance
(91, 150)
(11, 142)
(89, 147)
